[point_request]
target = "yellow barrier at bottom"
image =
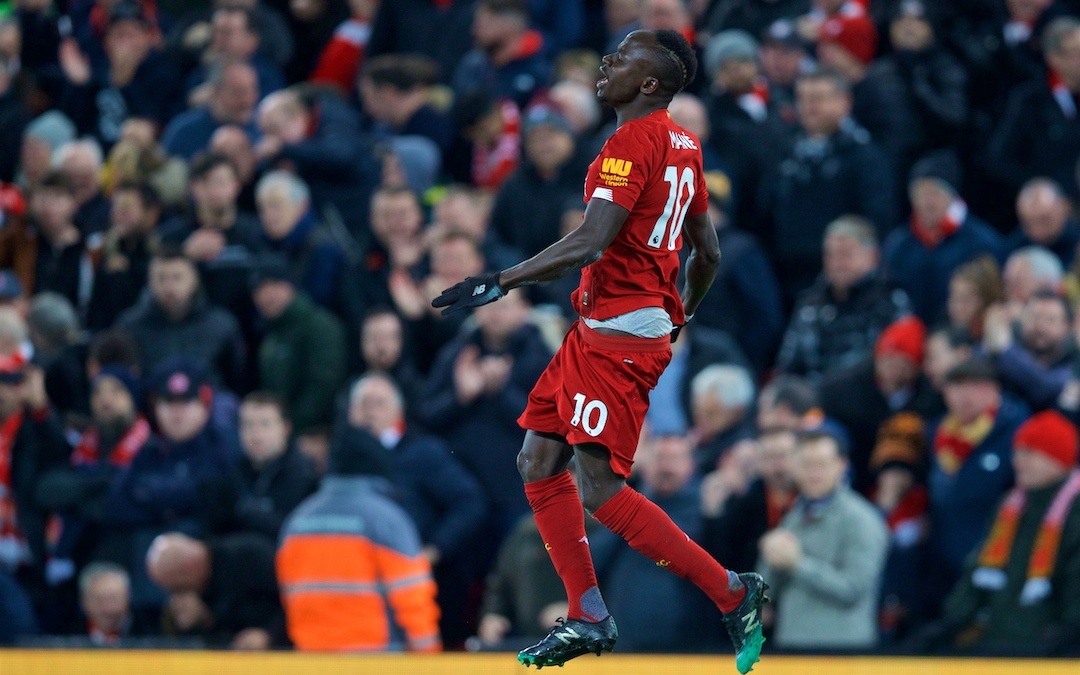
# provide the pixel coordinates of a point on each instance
(107, 662)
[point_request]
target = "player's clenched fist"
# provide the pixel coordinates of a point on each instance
(472, 292)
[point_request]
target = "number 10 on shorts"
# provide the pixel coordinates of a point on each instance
(591, 416)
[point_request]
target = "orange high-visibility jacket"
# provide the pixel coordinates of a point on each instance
(352, 575)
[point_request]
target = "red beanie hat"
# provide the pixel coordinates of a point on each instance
(906, 336)
(1049, 433)
(856, 34)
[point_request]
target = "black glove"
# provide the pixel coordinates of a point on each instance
(472, 292)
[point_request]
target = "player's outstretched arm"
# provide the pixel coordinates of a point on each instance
(583, 246)
(703, 261)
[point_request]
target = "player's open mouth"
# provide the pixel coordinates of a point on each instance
(601, 82)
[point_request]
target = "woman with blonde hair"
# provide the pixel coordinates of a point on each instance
(973, 288)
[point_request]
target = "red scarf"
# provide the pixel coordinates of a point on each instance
(88, 451)
(990, 574)
(1061, 94)
(491, 166)
(954, 218)
(9, 523)
(756, 101)
(777, 505)
(954, 441)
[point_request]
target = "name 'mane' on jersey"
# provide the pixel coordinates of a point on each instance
(651, 167)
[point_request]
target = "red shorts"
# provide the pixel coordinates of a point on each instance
(596, 390)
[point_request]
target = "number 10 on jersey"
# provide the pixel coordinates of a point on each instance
(675, 208)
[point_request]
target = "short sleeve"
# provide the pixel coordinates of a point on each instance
(621, 170)
(700, 203)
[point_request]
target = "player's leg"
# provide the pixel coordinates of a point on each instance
(651, 532)
(559, 517)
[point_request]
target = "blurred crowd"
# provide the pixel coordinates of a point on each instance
(229, 416)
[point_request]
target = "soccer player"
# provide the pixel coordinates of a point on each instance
(644, 189)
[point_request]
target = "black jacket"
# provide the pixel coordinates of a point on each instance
(267, 495)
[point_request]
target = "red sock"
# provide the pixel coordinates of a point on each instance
(561, 521)
(651, 532)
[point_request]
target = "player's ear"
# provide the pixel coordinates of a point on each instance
(649, 85)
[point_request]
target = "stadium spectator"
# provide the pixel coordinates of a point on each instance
(123, 261)
(867, 394)
(105, 599)
(318, 136)
(223, 590)
(384, 349)
(942, 235)
(396, 93)
(735, 521)
(641, 591)
(47, 251)
(898, 463)
(217, 235)
(233, 95)
(788, 402)
(176, 319)
(824, 561)
(671, 410)
(443, 33)
(837, 320)
(970, 469)
(1035, 362)
(752, 16)
(81, 161)
(527, 206)
(931, 82)
(302, 356)
(138, 158)
(441, 497)
(370, 553)
(138, 81)
(236, 145)
(1045, 218)
(42, 137)
(745, 129)
(397, 222)
(745, 282)
(1017, 595)
(800, 197)
(192, 34)
(489, 140)
(1038, 134)
(80, 492)
(291, 228)
(974, 288)
(783, 59)
(14, 113)
(721, 402)
(478, 386)
(1028, 271)
(32, 443)
(273, 477)
(508, 59)
(234, 36)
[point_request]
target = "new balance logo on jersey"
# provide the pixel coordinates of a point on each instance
(613, 172)
(681, 141)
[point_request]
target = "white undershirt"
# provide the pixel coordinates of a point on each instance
(648, 322)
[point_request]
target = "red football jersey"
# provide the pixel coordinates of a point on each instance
(651, 167)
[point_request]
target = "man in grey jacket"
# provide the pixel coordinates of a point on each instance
(825, 559)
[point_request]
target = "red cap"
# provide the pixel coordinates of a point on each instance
(11, 200)
(906, 336)
(856, 34)
(1049, 433)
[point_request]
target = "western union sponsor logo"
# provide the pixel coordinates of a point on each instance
(619, 167)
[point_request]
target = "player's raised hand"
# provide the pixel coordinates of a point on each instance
(472, 292)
